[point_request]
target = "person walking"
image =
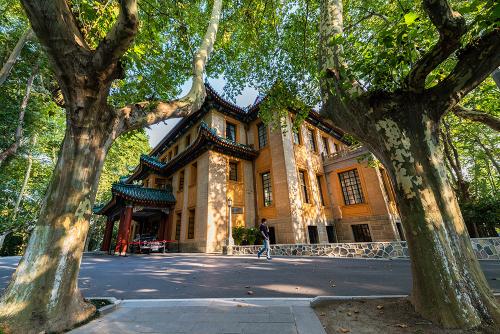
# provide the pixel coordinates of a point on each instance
(264, 231)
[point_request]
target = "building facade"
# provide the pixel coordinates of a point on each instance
(311, 185)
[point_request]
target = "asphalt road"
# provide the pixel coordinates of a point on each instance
(206, 276)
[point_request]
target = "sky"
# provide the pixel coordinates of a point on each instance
(158, 131)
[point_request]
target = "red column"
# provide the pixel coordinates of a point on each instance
(168, 225)
(161, 229)
(108, 233)
(124, 231)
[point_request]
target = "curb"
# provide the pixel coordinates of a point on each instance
(107, 308)
(323, 300)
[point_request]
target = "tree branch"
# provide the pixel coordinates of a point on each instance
(119, 38)
(12, 149)
(56, 28)
(7, 67)
(477, 116)
(475, 62)
(451, 26)
(142, 114)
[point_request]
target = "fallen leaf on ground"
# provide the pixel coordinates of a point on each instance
(239, 305)
(333, 285)
(356, 311)
(402, 325)
(250, 292)
(349, 313)
(247, 287)
(379, 307)
(344, 330)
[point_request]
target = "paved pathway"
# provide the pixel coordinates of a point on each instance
(208, 316)
(212, 276)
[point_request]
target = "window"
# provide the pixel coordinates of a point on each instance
(191, 225)
(169, 155)
(320, 189)
(330, 232)
(181, 181)
(312, 140)
(231, 131)
(194, 174)
(272, 235)
(262, 133)
(326, 147)
(361, 233)
(233, 171)
(303, 186)
(160, 183)
(178, 227)
(336, 147)
(351, 187)
(267, 189)
(296, 136)
(313, 234)
(176, 150)
(188, 140)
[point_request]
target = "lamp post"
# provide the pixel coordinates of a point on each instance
(229, 240)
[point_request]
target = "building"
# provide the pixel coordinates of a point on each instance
(310, 184)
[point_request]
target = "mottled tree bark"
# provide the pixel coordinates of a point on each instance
(449, 286)
(401, 128)
(43, 293)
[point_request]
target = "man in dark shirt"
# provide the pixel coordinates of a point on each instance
(264, 231)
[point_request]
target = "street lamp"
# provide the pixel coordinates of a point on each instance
(229, 240)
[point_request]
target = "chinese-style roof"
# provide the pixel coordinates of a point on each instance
(137, 195)
(207, 139)
(214, 101)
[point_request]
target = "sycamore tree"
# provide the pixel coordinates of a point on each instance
(429, 61)
(389, 71)
(43, 294)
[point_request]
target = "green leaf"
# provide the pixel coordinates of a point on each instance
(410, 18)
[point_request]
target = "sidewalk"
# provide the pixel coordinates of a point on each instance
(208, 316)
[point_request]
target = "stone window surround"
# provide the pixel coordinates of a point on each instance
(267, 189)
(355, 189)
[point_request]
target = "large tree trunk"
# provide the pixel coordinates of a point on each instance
(449, 286)
(43, 293)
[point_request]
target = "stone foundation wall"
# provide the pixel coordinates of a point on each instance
(485, 249)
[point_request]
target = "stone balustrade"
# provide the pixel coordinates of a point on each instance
(485, 249)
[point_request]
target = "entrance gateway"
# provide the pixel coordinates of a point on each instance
(145, 212)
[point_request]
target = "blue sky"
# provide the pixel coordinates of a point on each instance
(158, 131)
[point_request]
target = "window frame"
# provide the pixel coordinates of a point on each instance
(191, 224)
(230, 125)
(296, 136)
(351, 192)
(311, 138)
(303, 186)
(181, 181)
(262, 135)
(193, 174)
(178, 226)
(320, 189)
(358, 230)
(326, 145)
(236, 173)
(267, 191)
